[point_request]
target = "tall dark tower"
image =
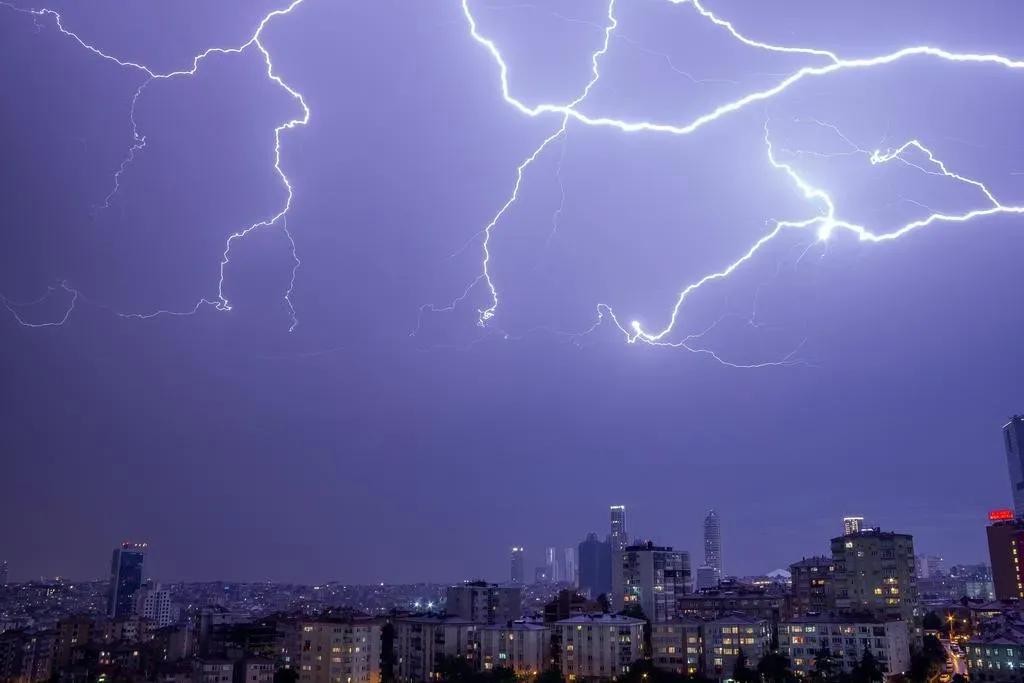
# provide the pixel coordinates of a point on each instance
(125, 578)
(518, 569)
(1013, 439)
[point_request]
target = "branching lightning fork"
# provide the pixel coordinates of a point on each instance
(139, 142)
(825, 222)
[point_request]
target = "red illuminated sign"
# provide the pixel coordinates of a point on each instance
(1003, 515)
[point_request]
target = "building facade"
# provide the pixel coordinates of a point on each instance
(517, 572)
(617, 537)
(570, 566)
(713, 542)
(677, 646)
(255, 670)
(27, 657)
(729, 636)
(523, 646)
(423, 643)
(1013, 440)
(595, 566)
(875, 572)
(485, 603)
(769, 604)
(708, 578)
(813, 586)
(599, 647)
(1006, 552)
(651, 577)
(154, 603)
(846, 638)
(338, 650)
(125, 578)
(997, 654)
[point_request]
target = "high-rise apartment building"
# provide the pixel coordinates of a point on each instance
(1006, 552)
(726, 637)
(847, 637)
(345, 649)
(125, 578)
(423, 643)
(713, 542)
(874, 572)
(153, 602)
(523, 646)
(677, 646)
(652, 578)
(1013, 440)
(485, 603)
(813, 590)
(852, 525)
(599, 647)
(595, 562)
(618, 538)
(518, 568)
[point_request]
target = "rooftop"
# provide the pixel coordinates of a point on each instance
(606, 619)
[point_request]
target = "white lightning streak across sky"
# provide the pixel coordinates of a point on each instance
(825, 222)
(139, 142)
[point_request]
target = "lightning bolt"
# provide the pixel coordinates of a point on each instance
(254, 42)
(825, 222)
(15, 307)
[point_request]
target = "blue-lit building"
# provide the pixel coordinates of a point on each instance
(125, 578)
(595, 566)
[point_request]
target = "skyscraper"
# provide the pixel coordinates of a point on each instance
(125, 578)
(551, 564)
(595, 563)
(713, 542)
(3, 572)
(1013, 438)
(518, 572)
(852, 525)
(154, 603)
(618, 537)
(653, 578)
(569, 566)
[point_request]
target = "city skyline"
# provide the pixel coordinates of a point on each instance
(520, 556)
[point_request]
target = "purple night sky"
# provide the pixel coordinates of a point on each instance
(349, 449)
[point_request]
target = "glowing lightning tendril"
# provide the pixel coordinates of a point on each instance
(826, 222)
(139, 142)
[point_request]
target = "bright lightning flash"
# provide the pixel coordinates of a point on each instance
(825, 222)
(254, 43)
